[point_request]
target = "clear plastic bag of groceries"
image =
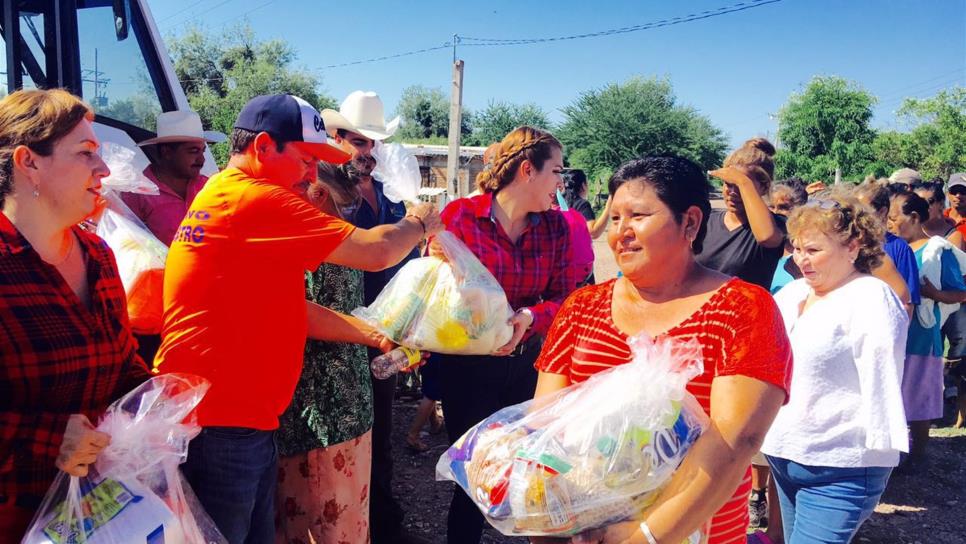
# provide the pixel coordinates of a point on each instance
(127, 170)
(398, 170)
(134, 492)
(140, 260)
(591, 455)
(454, 306)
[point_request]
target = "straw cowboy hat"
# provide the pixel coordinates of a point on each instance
(361, 112)
(182, 126)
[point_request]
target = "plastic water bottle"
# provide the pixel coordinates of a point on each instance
(390, 363)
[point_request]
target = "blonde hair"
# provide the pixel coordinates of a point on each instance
(756, 157)
(37, 119)
(845, 219)
(523, 143)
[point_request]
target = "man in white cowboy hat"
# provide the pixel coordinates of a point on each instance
(356, 127)
(177, 155)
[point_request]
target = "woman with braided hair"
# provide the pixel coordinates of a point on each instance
(526, 245)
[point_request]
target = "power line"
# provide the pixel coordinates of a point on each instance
(249, 11)
(446, 45)
(180, 11)
(741, 6)
(194, 16)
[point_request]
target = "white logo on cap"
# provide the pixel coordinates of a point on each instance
(312, 124)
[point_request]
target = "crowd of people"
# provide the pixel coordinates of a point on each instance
(822, 315)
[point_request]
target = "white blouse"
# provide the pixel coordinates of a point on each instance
(845, 402)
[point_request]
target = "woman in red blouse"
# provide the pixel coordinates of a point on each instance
(658, 221)
(66, 350)
(525, 244)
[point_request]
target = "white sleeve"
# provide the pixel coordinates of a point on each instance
(879, 334)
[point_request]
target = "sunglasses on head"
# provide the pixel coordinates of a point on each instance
(824, 203)
(957, 190)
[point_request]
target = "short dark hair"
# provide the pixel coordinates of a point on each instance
(796, 187)
(914, 204)
(678, 183)
(242, 138)
(574, 181)
(936, 189)
(876, 193)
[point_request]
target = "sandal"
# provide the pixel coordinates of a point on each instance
(416, 445)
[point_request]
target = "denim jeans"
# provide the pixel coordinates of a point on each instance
(233, 471)
(825, 504)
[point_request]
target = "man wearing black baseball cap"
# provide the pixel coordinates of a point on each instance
(234, 302)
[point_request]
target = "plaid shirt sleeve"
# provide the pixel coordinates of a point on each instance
(59, 357)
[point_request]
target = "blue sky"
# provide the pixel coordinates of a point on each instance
(736, 68)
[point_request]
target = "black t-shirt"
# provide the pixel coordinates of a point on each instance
(737, 253)
(584, 208)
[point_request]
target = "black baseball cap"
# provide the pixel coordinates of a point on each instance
(288, 118)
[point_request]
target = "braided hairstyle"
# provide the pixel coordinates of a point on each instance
(521, 144)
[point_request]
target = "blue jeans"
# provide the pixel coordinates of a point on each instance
(233, 471)
(825, 504)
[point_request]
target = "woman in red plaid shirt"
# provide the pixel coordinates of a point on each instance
(66, 350)
(525, 244)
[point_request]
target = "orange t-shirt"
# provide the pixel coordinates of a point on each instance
(234, 295)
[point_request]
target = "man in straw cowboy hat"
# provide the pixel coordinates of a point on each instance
(177, 155)
(356, 127)
(234, 302)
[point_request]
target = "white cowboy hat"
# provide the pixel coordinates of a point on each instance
(361, 112)
(182, 126)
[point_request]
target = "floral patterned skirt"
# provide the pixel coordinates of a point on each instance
(323, 494)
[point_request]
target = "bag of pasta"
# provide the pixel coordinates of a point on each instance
(591, 455)
(134, 492)
(454, 306)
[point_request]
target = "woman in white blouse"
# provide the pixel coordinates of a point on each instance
(833, 446)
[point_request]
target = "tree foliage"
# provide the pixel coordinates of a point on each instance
(425, 115)
(826, 126)
(607, 126)
(220, 73)
(499, 118)
(936, 145)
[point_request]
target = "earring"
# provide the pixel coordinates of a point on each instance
(36, 192)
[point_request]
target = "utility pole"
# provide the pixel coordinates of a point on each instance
(455, 122)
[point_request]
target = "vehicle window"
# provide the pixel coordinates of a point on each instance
(115, 77)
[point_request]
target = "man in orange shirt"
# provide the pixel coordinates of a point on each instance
(234, 302)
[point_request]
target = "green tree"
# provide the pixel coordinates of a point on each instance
(425, 116)
(824, 127)
(937, 144)
(499, 118)
(220, 73)
(607, 126)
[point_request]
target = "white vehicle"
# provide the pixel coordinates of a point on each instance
(109, 52)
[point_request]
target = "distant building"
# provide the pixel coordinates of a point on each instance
(432, 166)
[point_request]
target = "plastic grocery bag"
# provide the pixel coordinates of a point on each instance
(398, 170)
(454, 306)
(140, 260)
(134, 492)
(588, 456)
(127, 170)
